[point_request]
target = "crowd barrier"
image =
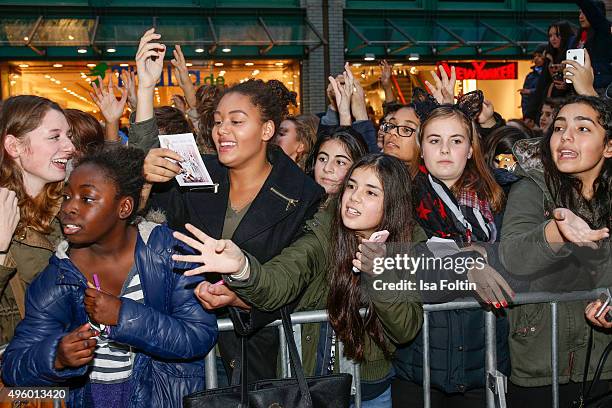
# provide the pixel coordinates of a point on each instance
(496, 381)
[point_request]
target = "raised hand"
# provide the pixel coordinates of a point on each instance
(486, 117)
(76, 348)
(385, 76)
(150, 59)
(182, 75)
(221, 256)
(358, 103)
(104, 97)
(179, 103)
(444, 90)
(158, 167)
(9, 217)
(343, 93)
(576, 230)
(129, 82)
(580, 76)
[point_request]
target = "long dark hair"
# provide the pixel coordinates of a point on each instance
(351, 139)
(500, 141)
(345, 296)
(566, 188)
(566, 32)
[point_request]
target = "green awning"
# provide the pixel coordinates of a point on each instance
(61, 35)
(460, 35)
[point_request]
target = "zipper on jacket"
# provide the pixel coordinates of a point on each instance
(290, 201)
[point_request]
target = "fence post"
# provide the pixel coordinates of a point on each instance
(284, 353)
(426, 373)
(348, 366)
(211, 369)
(554, 354)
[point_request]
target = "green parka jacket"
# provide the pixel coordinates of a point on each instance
(28, 255)
(527, 255)
(302, 269)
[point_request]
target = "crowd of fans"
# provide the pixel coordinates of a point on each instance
(112, 276)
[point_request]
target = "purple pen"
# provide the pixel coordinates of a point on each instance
(96, 281)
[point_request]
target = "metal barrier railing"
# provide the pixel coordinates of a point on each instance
(297, 319)
(496, 382)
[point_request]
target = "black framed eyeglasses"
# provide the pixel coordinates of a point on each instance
(403, 131)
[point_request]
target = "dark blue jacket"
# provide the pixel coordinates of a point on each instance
(170, 332)
(598, 44)
(457, 347)
(531, 83)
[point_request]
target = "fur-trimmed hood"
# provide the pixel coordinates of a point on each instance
(528, 155)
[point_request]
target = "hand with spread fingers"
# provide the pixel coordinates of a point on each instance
(104, 97)
(102, 307)
(158, 167)
(221, 256)
(76, 348)
(213, 296)
(576, 230)
(444, 90)
(592, 310)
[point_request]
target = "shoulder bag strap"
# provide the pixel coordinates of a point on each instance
(296, 365)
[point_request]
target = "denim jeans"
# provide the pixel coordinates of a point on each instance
(382, 401)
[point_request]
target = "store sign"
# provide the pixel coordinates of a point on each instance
(166, 78)
(483, 70)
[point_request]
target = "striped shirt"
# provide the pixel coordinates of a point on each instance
(112, 362)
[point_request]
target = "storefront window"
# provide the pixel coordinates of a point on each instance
(503, 79)
(68, 83)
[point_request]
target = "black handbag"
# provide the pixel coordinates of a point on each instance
(329, 391)
(585, 400)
